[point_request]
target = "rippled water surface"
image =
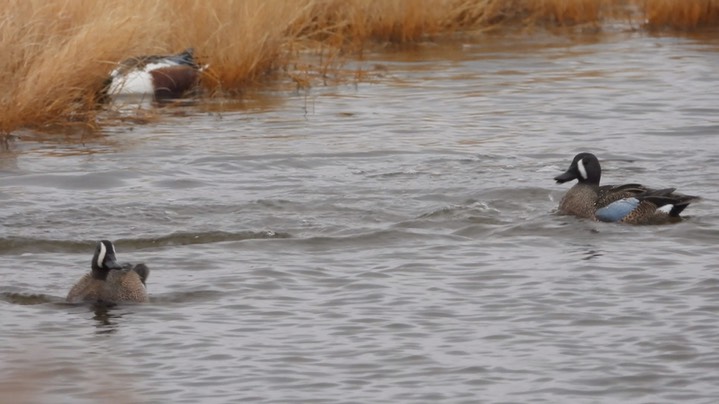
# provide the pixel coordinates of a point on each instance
(389, 241)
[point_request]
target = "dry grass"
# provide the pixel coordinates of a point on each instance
(56, 53)
(682, 14)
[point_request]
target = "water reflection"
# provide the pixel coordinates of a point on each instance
(591, 254)
(26, 299)
(8, 153)
(105, 317)
(23, 245)
(71, 140)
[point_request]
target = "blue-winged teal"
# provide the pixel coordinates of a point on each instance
(163, 76)
(109, 281)
(628, 203)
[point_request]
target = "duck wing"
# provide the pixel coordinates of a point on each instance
(608, 194)
(140, 269)
(143, 271)
(645, 207)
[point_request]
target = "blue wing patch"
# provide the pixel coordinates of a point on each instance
(617, 210)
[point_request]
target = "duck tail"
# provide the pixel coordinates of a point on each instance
(143, 271)
(667, 197)
(681, 203)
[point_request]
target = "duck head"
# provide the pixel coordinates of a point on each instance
(104, 259)
(584, 168)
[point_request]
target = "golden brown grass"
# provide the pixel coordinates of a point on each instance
(682, 14)
(56, 54)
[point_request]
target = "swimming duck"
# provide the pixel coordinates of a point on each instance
(163, 76)
(109, 281)
(628, 203)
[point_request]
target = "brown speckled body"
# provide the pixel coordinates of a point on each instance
(579, 201)
(641, 214)
(646, 213)
(583, 199)
(125, 285)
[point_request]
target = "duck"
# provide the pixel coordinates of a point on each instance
(162, 76)
(110, 282)
(627, 203)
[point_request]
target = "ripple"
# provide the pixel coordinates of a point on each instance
(20, 245)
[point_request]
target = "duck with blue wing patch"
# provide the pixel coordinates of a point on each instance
(628, 203)
(110, 282)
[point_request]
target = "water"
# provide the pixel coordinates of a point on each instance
(389, 241)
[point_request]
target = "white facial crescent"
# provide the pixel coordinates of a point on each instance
(101, 255)
(582, 169)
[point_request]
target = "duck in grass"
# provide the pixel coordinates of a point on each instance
(110, 282)
(628, 203)
(162, 76)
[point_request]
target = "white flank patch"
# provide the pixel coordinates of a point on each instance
(666, 209)
(134, 82)
(582, 169)
(101, 255)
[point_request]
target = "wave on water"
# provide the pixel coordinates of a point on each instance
(27, 299)
(21, 245)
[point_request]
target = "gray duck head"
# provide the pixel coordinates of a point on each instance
(585, 168)
(104, 258)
